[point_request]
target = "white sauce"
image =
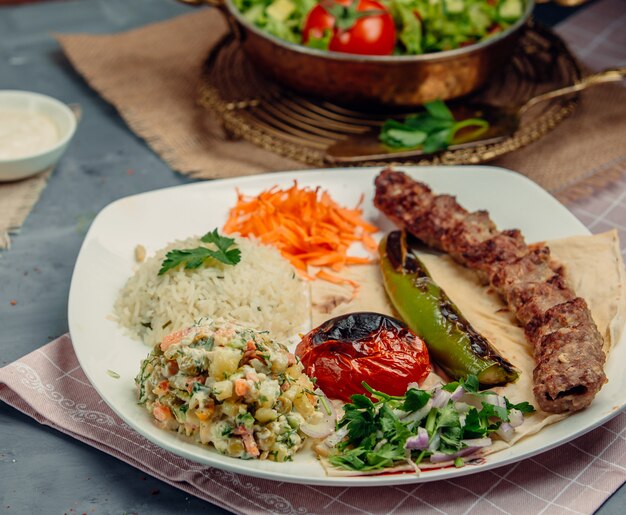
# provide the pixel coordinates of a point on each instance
(23, 133)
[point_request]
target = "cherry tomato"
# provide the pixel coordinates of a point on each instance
(370, 347)
(353, 31)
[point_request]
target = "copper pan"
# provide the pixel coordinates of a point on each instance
(373, 81)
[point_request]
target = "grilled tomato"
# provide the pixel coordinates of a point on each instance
(356, 26)
(349, 349)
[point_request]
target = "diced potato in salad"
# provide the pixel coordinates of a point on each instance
(230, 386)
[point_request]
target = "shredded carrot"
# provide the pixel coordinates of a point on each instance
(325, 276)
(307, 226)
(351, 260)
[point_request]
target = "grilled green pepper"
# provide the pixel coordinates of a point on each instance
(452, 342)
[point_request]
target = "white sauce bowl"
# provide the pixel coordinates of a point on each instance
(41, 157)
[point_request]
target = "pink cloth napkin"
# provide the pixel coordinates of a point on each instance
(49, 386)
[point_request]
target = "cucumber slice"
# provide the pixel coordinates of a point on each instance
(511, 10)
(455, 6)
(280, 10)
(254, 13)
(479, 19)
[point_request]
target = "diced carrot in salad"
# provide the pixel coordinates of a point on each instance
(173, 338)
(248, 440)
(241, 387)
(161, 413)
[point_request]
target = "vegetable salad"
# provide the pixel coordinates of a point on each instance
(230, 386)
(418, 26)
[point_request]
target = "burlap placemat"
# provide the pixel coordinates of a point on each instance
(151, 75)
(16, 200)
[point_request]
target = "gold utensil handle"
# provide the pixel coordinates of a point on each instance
(563, 3)
(610, 75)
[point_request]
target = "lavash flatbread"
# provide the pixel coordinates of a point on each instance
(593, 267)
(595, 271)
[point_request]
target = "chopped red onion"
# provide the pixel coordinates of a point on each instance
(435, 441)
(320, 430)
(472, 399)
(516, 417)
(506, 431)
(473, 445)
(495, 400)
(327, 407)
(462, 407)
(457, 393)
(336, 437)
(440, 398)
(418, 415)
(378, 446)
(325, 426)
(440, 457)
(419, 441)
(477, 442)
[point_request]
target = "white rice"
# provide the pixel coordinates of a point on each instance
(262, 291)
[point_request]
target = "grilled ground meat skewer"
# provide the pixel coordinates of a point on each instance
(566, 342)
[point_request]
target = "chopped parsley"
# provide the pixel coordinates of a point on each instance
(244, 419)
(378, 427)
(206, 342)
(198, 387)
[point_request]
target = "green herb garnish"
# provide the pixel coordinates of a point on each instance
(195, 258)
(378, 427)
(524, 407)
(244, 419)
(320, 43)
(431, 130)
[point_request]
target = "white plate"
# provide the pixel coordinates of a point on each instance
(153, 219)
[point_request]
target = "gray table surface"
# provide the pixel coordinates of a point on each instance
(42, 470)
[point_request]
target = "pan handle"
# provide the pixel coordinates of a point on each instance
(220, 5)
(562, 3)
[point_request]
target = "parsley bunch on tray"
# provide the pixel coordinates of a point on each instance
(431, 130)
(442, 425)
(195, 258)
